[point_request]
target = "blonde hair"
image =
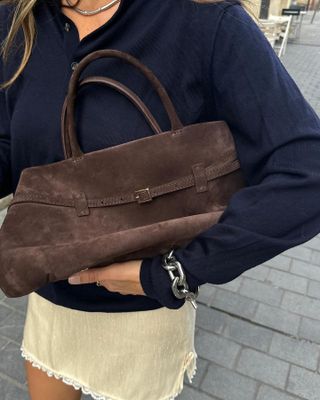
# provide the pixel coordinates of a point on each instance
(23, 18)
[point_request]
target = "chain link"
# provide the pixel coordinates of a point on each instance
(172, 266)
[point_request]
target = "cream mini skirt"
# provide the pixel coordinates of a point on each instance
(139, 355)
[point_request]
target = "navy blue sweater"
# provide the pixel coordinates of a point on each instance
(216, 64)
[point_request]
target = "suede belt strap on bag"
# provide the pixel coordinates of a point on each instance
(200, 173)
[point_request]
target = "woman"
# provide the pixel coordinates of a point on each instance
(130, 338)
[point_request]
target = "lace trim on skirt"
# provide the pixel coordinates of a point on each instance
(189, 366)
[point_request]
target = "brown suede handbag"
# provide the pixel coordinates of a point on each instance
(134, 200)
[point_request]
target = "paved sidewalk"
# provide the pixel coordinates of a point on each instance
(257, 337)
(302, 59)
(310, 33)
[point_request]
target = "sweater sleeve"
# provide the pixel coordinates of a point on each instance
(277, 137)
(5, 158)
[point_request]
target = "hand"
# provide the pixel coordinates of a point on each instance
(118, 277)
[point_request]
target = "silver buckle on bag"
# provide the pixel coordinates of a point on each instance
(143, 195)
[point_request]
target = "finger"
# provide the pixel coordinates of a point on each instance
(113, 288)
(87, 276)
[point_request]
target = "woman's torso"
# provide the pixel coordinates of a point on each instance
(173, 38)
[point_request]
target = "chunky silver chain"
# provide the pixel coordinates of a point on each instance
(172, 266)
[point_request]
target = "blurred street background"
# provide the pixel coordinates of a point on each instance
(257, 337)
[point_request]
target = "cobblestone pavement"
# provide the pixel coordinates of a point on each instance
(257, 337)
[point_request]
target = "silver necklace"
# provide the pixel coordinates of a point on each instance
(93, 12)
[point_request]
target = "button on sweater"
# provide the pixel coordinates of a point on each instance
(216, 64)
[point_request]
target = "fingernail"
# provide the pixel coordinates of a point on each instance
(74, 279)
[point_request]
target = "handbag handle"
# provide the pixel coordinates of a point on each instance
(134, 98)
(73, 84)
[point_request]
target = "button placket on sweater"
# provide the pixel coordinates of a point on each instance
(71, 41)
(75, 47)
